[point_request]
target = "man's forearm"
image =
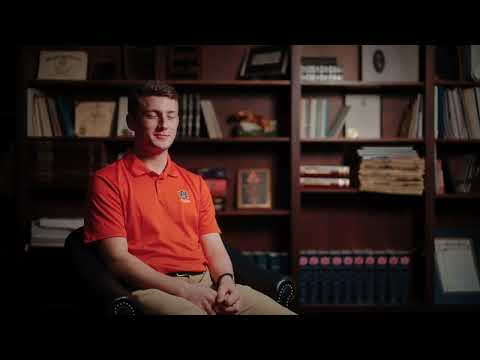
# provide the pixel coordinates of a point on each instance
(219, 262)
(138, 274)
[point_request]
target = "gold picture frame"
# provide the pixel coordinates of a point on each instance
(254, 189)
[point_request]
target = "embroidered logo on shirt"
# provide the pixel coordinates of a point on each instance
(183, 194)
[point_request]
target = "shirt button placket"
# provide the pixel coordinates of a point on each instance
(158, 188)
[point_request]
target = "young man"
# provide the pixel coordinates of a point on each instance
(155, 222)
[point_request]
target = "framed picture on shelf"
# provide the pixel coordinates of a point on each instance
(254, 189)
(62, 65)
(266, 62)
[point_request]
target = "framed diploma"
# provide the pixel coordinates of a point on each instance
(62, 65)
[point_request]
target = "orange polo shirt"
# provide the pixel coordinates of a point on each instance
(162, 216)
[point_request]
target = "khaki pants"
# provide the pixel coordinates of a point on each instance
(252, 302)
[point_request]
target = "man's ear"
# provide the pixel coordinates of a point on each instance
(131, 123)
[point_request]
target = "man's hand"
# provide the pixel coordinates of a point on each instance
(202, 296)
(228, 297)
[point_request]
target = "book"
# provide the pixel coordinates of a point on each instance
(363, 119)
(65, 112)
(122, 127)
(338, 124)
(325, 170)
(456, 277)
(94, 118)
(325, 182)
(210, 117)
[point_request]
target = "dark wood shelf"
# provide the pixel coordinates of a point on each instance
(313, 309)
(126, 84)
(454, 197)
(363, 86)
(388, 141)
(178, 140)
(266, 213)
(315, 190)
(457, 83)
(458, 142)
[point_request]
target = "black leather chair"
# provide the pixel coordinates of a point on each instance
(101, 292)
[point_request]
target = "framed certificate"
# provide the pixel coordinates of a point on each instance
(254, 189)
(267, 62)
(62, 65)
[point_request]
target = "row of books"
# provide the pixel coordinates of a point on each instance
(52, 232)
(457, 113)
(217, 182)
(359, 277)
(63, 116)
(270, 260)
(325, 176)
(458, 62)
(458, 175)
(411, 126)
(321, 73)
(192, 108)
(314, 119)
(51, 162)
(391, 170)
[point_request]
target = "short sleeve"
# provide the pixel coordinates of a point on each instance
(208, 222)
(104, 218)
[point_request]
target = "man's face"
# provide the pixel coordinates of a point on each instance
(157, 122)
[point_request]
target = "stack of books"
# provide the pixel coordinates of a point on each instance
(325, 176)
(52, 232)
(321, 69)
(391, 170)
(217, 181)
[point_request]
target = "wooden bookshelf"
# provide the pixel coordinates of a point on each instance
(348, 217)
(458, 197)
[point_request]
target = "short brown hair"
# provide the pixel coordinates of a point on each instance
(149, 88)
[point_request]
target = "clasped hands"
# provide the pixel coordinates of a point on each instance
(224, 301)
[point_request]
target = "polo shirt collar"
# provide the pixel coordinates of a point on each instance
(138, 168)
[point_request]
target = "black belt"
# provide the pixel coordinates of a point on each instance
(185, 274)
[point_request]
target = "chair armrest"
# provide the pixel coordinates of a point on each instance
(102, 287)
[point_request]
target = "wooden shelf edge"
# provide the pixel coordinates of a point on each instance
(456, 83)
(471, 196)
(363, 85)
(238, 213)
(364, 141)
(133, 83)
(178, 140)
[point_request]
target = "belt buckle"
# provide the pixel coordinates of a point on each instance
(185, 275)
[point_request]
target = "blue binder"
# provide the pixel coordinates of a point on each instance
(303, 278)
(358, 278)
(381, 262)
(347, 277)
(369, 276)
(337, 283)
(326, 277)
(405, 275)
